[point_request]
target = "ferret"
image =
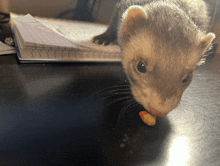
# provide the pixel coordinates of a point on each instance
(162, 42)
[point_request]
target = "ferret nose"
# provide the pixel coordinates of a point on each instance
(155, 112)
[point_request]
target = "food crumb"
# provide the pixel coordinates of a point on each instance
(122, 145)
(147, 118)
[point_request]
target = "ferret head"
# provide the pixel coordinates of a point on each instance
(159, 55)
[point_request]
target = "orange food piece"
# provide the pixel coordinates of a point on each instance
(147, 118)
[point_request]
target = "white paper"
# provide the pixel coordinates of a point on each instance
(6, 49)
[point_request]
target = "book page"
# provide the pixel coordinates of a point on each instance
(80, 32)
(35, 34)
(6, 49)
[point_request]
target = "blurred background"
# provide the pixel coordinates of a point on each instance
(89, 10)
(100, 10)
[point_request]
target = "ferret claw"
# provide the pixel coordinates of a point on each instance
(103, 39)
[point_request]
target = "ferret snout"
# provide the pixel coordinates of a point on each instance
(155, 112)
(154, 103)
(157, 108)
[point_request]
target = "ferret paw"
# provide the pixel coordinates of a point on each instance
(103, 39)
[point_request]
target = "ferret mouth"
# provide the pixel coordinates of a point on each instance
(154, 112)
(150, 113)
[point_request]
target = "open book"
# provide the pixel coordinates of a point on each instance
(55, 40)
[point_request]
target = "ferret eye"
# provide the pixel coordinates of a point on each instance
(185, 80)
(141, 67)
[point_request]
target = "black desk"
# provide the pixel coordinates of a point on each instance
(51, 114)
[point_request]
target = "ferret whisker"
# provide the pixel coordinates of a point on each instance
(109, 95)
(105, 90)
(118, 92)
(120, 99)
(121, 114)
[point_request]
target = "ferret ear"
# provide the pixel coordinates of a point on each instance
(133, 18)
(205, 45)
(205, 41)
(134, 12)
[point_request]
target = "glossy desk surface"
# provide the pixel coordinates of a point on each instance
(59, 114)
